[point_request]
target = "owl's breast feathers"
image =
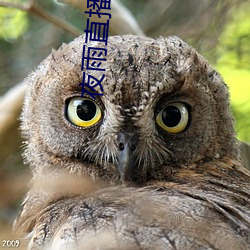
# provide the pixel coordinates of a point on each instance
(200, 207)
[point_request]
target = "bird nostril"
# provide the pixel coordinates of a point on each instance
(133, 148)
(121, 146)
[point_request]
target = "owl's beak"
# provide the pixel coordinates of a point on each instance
(126, 142)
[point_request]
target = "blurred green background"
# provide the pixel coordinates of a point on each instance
(233, 62)
(218, 29)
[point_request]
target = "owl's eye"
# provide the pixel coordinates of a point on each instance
(173, 118)
(83, 112)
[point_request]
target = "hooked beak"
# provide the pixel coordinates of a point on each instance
(127, 144)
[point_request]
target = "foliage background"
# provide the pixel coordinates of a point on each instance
(219, 30)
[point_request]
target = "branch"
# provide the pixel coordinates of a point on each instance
(10, 107)
(122, 21)
(36, 10)
(14, 5)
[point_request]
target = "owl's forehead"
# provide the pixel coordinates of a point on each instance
(140, 67)
(136, 68)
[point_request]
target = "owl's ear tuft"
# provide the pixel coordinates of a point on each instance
(193, 67)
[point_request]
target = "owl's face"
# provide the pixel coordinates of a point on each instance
(163, 107)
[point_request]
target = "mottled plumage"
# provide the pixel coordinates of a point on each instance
(156, 166)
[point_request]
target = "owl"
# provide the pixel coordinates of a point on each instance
(145, 160)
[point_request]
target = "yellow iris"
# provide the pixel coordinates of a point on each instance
(173, 118)
(83, 112)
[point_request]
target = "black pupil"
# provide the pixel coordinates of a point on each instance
(86, 110)
(171, 116)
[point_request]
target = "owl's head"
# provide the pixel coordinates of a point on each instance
(163, 107)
